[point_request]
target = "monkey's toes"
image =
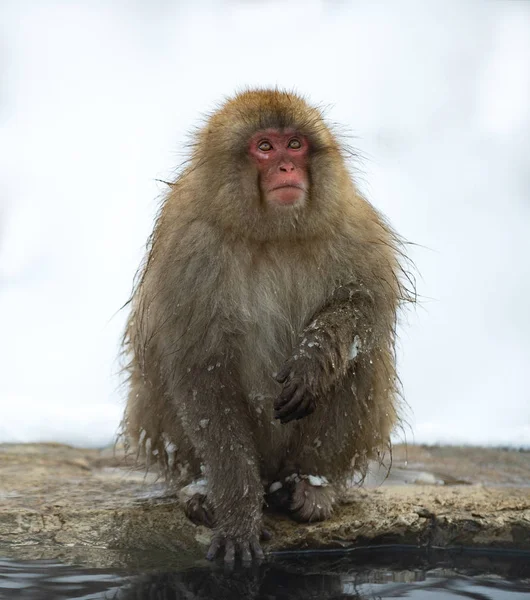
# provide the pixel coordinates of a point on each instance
(198, 512)
(311, 503)
(230, 548)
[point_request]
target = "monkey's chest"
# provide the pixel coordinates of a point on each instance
(273, 308)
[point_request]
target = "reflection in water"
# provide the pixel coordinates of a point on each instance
(265, 582)
(376, 575)
(384, 576)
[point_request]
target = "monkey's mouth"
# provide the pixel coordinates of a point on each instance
(286, 194)
(288, 185)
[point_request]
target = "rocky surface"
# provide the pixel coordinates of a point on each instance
(94, 506)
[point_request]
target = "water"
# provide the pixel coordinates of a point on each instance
(391, 572)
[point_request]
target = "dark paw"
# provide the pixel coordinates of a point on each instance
(311, 503)
(296, 400)
(226, 546)
(198, 511)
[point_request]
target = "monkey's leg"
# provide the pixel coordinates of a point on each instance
(330, 373)
(352, 426)
(153, 426)
(213, 410)
(322, 452)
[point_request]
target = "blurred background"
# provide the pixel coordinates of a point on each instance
(96, 103)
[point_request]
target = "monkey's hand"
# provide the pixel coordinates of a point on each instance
(300, 378)
(232, 546)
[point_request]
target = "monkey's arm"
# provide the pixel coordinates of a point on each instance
(213, 408)
(340, 331)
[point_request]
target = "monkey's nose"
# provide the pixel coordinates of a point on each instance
(287, 167)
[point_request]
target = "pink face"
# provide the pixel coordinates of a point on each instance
(281, 159)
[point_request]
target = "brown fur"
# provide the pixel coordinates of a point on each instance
(233, 291)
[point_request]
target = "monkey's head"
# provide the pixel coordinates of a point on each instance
(267, 165)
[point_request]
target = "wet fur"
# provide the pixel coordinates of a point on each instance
(230, 289)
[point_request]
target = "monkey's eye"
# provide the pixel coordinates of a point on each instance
(295, 144)
(265, 146)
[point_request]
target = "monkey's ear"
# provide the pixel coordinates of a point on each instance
(282, 374)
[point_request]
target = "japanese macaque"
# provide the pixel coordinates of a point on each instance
(262, 326)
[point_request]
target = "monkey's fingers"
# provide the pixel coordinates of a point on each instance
(256, 548)
(286, 395)
(304, 409)
(246, 555)
(249, 548)
(290, 407)
(230, 552)
(283, 373)
(245, 549)
(216, 544)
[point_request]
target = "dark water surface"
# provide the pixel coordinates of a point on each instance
(388, 572)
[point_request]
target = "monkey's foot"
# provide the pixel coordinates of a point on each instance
(198, 511)
(231, 547)
(193, 497)
(311, 503)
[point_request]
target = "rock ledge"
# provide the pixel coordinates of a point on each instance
(62, 502)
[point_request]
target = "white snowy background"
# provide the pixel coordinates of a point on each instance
(96, 100)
